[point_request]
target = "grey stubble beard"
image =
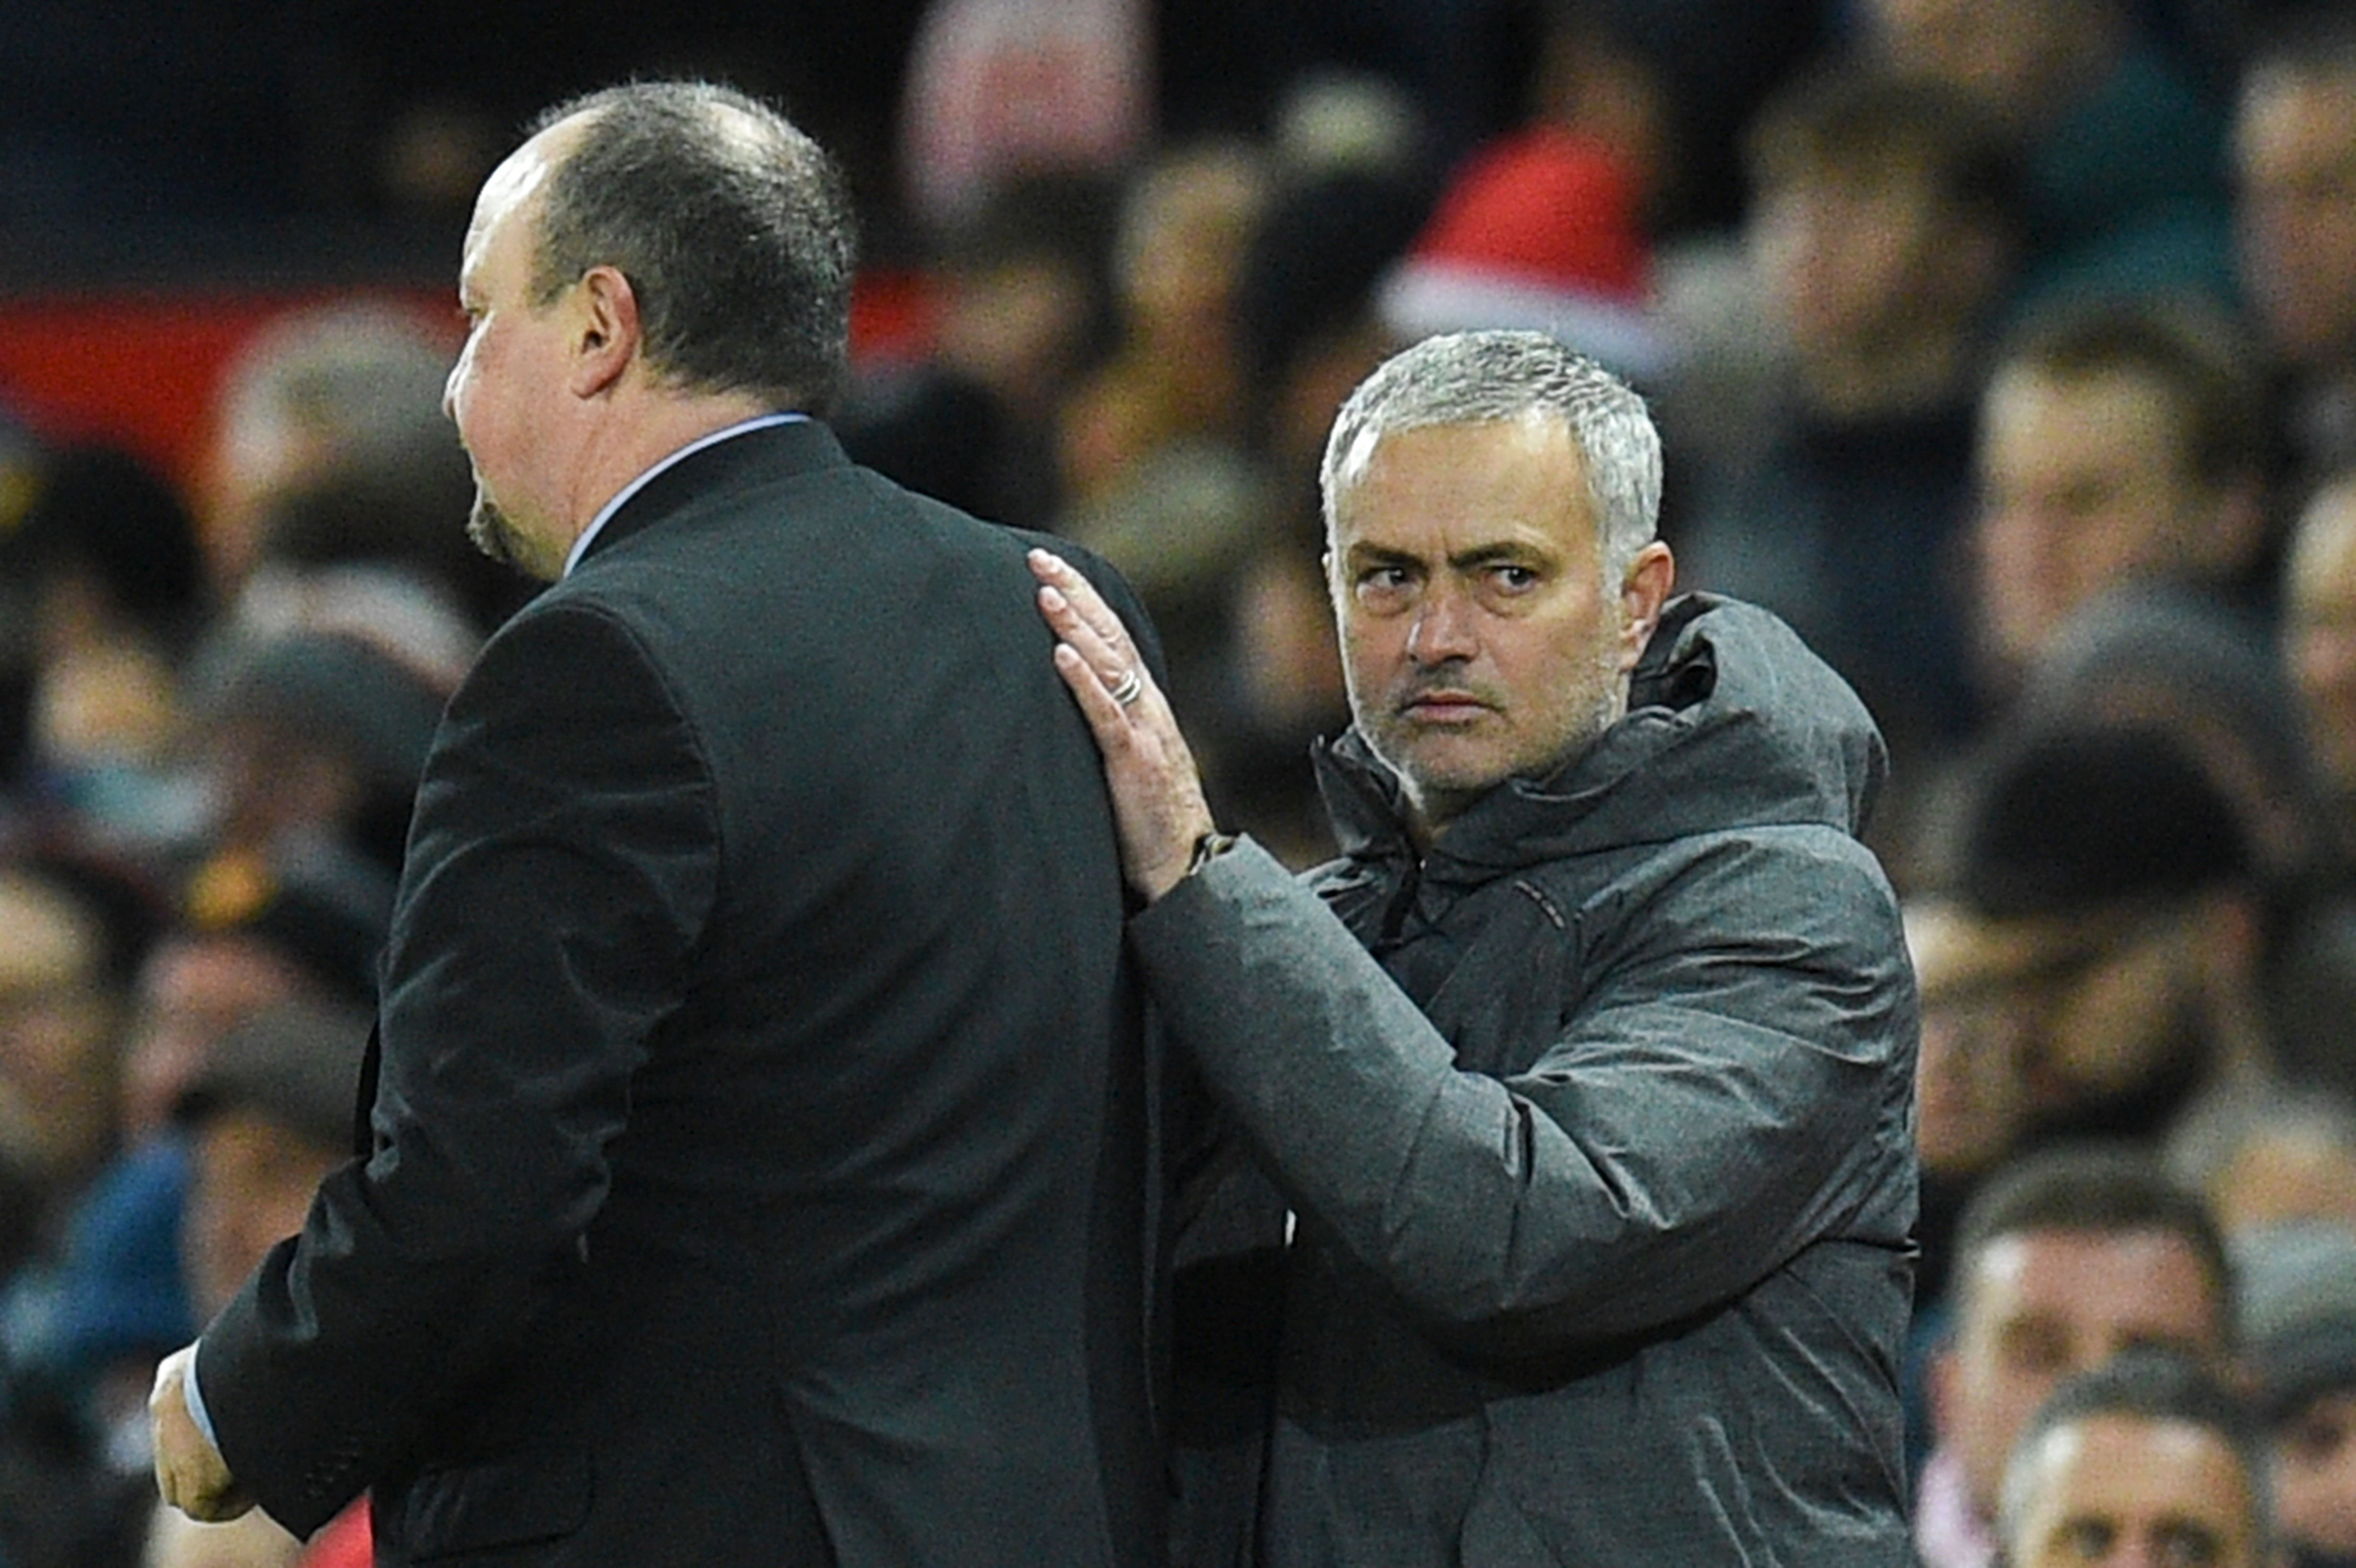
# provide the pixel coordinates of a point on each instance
(494, 533)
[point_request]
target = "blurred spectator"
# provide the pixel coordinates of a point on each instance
(996, 90)
(70, 940)
(315, 737)
(1185, 518)
(2315, 983)
(2126, 185)
(331, 450)
(110, 1296)
(1334, 122)
(268, 1116)
(2150, 1459)
(1677, 82)
(1022, 308)
(2269, 1155)
(2071, 1256)
(1308, 329)
(2097, 942)
(1548, 227)
(2294, 156)
(1172, 379)
(2118, 443)
(313, 389)
(254, 930)
(106, 557)
(2299, 1333)
(1540, 229)
(2170, 657)
(2319, 639)
(61, 1004)
(1600, 77)
(1157, 475)
(378, 548)
(1882, 230)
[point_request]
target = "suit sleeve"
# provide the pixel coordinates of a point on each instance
(1712, 1106)
(561, 867)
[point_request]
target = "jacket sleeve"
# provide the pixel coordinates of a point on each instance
(1722, 1096)
(562, 866)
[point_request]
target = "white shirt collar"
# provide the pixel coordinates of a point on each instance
(604, 513)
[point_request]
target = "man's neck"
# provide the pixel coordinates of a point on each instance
(639, 432)
(586, 539)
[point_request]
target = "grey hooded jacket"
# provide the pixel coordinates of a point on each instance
(1598, 1125)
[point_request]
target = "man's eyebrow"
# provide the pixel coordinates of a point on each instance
(1498, 552)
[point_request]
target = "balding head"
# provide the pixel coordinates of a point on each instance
(731, 226)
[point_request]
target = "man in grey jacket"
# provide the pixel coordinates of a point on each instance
(1587, 1070)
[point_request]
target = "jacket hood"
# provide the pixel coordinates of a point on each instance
(1732, 723)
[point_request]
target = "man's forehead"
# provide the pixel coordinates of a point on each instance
(2164, 1472)
(1955, 948)
(2063, 1264)
(519, 176)
(1361, 453)
(2319, 94)
(2119, 392)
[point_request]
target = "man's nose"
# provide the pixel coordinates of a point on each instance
(1443, 628)
(450, 389)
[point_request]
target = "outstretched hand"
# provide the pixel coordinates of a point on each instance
(1156, 791)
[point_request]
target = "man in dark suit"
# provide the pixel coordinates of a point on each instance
(758, 1163)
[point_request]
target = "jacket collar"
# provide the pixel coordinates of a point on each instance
(773, 452)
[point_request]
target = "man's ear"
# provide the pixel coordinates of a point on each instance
(606, 336)
(1642, 593)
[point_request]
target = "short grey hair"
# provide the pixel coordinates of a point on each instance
(1467, 378)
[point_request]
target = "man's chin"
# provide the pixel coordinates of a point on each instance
(1447, 763)
(1444, 764)
(494, 533)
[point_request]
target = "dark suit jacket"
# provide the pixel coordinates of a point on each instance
(760, 1153)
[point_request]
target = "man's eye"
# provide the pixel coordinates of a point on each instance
(2087, 1540)
(2316, 1436)
(2185, 1544)
(1515, 579)
(2035, 1348)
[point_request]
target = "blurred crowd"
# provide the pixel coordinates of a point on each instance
(2006, 348)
